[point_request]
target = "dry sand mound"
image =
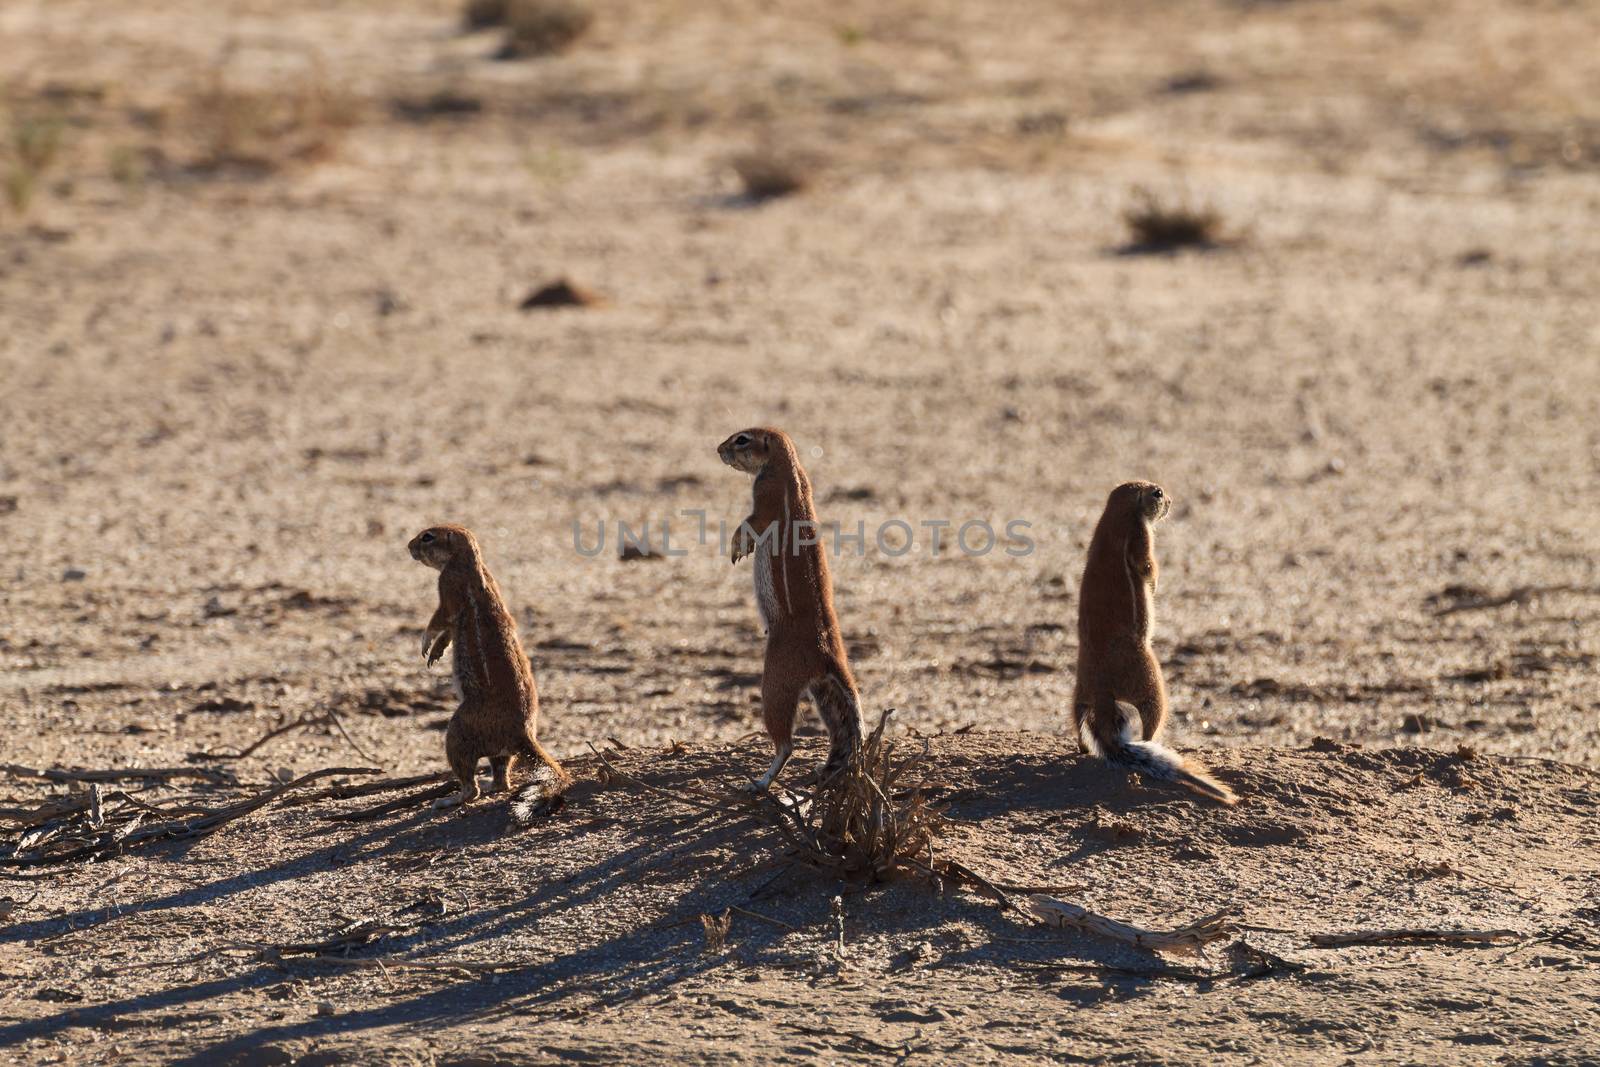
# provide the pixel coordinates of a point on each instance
(288, 936)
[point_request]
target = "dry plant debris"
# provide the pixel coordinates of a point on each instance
(543, 27)
(266, 128)
(1156, 225)
(1189, 940)
(866, 822)
(483, 14)
(1449, 937)
(29, 151)
(768, 174)
(108, 824)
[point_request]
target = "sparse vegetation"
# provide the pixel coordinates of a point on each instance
(1167, 226)
(767, 174)
(867, 822)
(543, 27)
(126, 165)
(32, 146)
(1192, 81)
(483, 14)
(266, 129)
(716, 928)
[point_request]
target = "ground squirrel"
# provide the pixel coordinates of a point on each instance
(794, 593)
(1119, 687)
(499, 713)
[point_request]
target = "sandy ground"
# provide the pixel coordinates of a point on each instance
(261, 324)
(595, 916)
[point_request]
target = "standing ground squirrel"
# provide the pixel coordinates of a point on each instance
(794, 593)
(1119, 686)
(499, 713)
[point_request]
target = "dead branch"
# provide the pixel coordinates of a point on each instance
(1179, 974)
(327, 715)
(51, 809)
(365, 789)
(400, 963)
(962, 874)
(214, 775)
(1385, 936)
(1252, 962)
(763, 918)
(352, 936)
(1050, 890)
(863, 1043)
(712, 802)
(273, 954)
(271, 735)
(133, 834)
(1188, 940)
(411, 800)
(446, 785)
(1521, 596)
(333, 717)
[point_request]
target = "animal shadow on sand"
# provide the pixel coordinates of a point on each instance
(695, 862)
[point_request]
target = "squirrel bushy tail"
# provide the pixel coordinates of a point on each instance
(1119, 745)
(544, 792)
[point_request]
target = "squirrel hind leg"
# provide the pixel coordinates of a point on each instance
(781, 757)
(501, 765)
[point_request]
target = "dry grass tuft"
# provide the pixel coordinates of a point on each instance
(768, 174)
(30, 150)
(867, 822)
(484, 14)
(543, 27)
(1158, 226)
(716, 928)
(265, 130)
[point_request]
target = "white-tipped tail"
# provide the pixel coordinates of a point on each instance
(541, 796)
(1153, 758)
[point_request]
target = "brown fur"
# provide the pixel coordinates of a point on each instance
(499, 714)
(1119, 686)
(794, 593)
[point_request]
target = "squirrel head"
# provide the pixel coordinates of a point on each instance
(438, 545)
(1143, 498)
(749, 450)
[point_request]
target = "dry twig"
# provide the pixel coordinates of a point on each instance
(122, 834)
(214, 775)
(366, 789)
(1188, 940)
(1378, 937)
(712, 802)
(410, 800)
(328, 715)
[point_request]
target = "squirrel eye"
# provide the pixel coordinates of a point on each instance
(427, 538)
(742, 441)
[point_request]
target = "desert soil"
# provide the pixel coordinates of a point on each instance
(261, 324)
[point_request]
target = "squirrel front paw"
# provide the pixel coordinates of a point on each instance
(743, 544)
